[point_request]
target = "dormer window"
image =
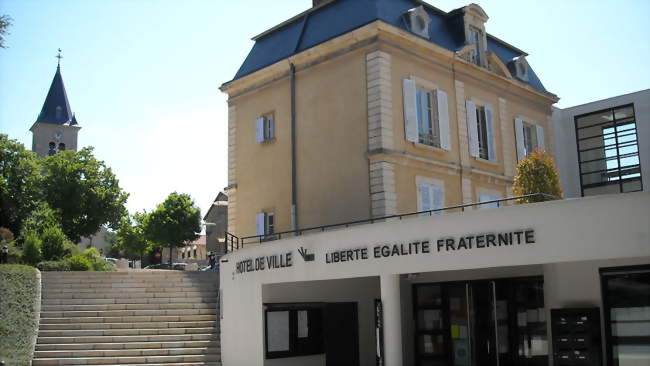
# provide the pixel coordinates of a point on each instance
(475, 38)
(521, 68)
(418, 21)
(474, 19)
(59, 112)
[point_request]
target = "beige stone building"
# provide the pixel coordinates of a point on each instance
(423, 111)
(396, 111)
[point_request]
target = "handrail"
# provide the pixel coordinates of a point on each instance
(234, 242)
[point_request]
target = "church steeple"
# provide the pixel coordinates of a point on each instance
(56, 128)
(56, 108)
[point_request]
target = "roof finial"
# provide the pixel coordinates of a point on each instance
(59, 57)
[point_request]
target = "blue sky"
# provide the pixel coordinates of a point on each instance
(142, 76)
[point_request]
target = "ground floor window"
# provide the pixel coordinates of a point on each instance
(293, 330)
(626, 303)
(496, 322)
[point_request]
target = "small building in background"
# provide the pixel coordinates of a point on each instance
(216, 224)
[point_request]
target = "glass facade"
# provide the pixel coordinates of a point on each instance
(496, 322)
(626, 300)
(608, 152)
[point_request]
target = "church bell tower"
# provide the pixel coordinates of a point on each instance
(56, 127)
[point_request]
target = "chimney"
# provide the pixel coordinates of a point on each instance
(318, 2)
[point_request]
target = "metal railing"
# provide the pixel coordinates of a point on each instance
(234, 242)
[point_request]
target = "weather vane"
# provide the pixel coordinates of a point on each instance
(59, 57)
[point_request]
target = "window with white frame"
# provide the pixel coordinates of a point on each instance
(265, 128)
(265, 223)
(480, 125)
(530, 137)
(431, 196)
(426, 114)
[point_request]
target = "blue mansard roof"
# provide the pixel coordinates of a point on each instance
(335, 18)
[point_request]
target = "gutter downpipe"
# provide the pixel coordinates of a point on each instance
(294, 199)
(460, 154)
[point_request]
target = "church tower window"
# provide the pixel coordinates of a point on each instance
(61, 146)
(52, 149)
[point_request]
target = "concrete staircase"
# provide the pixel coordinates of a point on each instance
(142, 317)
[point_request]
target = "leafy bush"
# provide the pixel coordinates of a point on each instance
(537, 174)
(53, 246)
(79, 262)
(49, 266)
(31, 248)
(97, 262)
(19, 304)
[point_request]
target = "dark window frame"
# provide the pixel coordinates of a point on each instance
(313, 345)
(617, 146)
(482, 132)
(606, 307)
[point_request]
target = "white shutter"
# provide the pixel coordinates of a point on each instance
(259, 129)
(410, 110)
(425, 197)
(260, 219)
(519, 134)
(443, 119)
(438, 198)
(489, 123)
(472, 128)
(540, 137)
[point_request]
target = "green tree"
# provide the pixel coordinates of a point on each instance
(53, 246)
(174, 222)
(20, 183)
(131, 235)
(41, 218)
(5, 23)
(83, 191)
(31, 248)
(537, 174)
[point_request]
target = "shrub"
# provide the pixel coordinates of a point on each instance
(53, 243)
(19, 304)
(6, 235)
(97, 262)
(31, 248)
(78, 262)
(49, 266)
(537, 174)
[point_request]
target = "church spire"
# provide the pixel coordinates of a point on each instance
(56, 109)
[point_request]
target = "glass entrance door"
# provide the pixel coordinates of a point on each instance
(480, 323)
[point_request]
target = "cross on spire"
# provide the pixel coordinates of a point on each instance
(59, 57)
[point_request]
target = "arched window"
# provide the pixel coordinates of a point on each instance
(52, 150)
(61, 146)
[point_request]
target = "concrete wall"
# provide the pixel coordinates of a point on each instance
(362, 291)
(565, 138)
(600, 228)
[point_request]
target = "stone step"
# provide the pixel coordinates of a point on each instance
(94, 326)
(121, 294)
(129, 319)
(130, 345)
(124, 332)
(114, 313)
(129, 300)
(123, 360)
(107, 307)
(124, 339)
(144, 288)
(212, 363)
(185, 351)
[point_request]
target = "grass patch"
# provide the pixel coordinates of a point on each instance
(19, 307)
